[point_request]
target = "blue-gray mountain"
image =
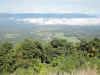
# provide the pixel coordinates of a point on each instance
(43, 15)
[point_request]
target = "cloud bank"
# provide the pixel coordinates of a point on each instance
(61, 21)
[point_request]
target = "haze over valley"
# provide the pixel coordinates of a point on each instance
(44, 27)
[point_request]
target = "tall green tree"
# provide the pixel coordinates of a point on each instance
(7, 57)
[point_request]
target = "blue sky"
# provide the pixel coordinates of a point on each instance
(50, 6)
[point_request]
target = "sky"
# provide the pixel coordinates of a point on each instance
(50, 6)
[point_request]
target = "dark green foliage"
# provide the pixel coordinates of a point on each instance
(7, 59)
(58, 53)
(58, 42)
(91, 46)
(27, 55)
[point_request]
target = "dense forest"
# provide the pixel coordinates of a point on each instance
(58, 56)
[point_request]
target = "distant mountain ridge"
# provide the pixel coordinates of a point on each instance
(48, 15)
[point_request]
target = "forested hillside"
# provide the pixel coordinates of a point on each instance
(56, 57)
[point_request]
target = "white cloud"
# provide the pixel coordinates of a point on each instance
(61, 21)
